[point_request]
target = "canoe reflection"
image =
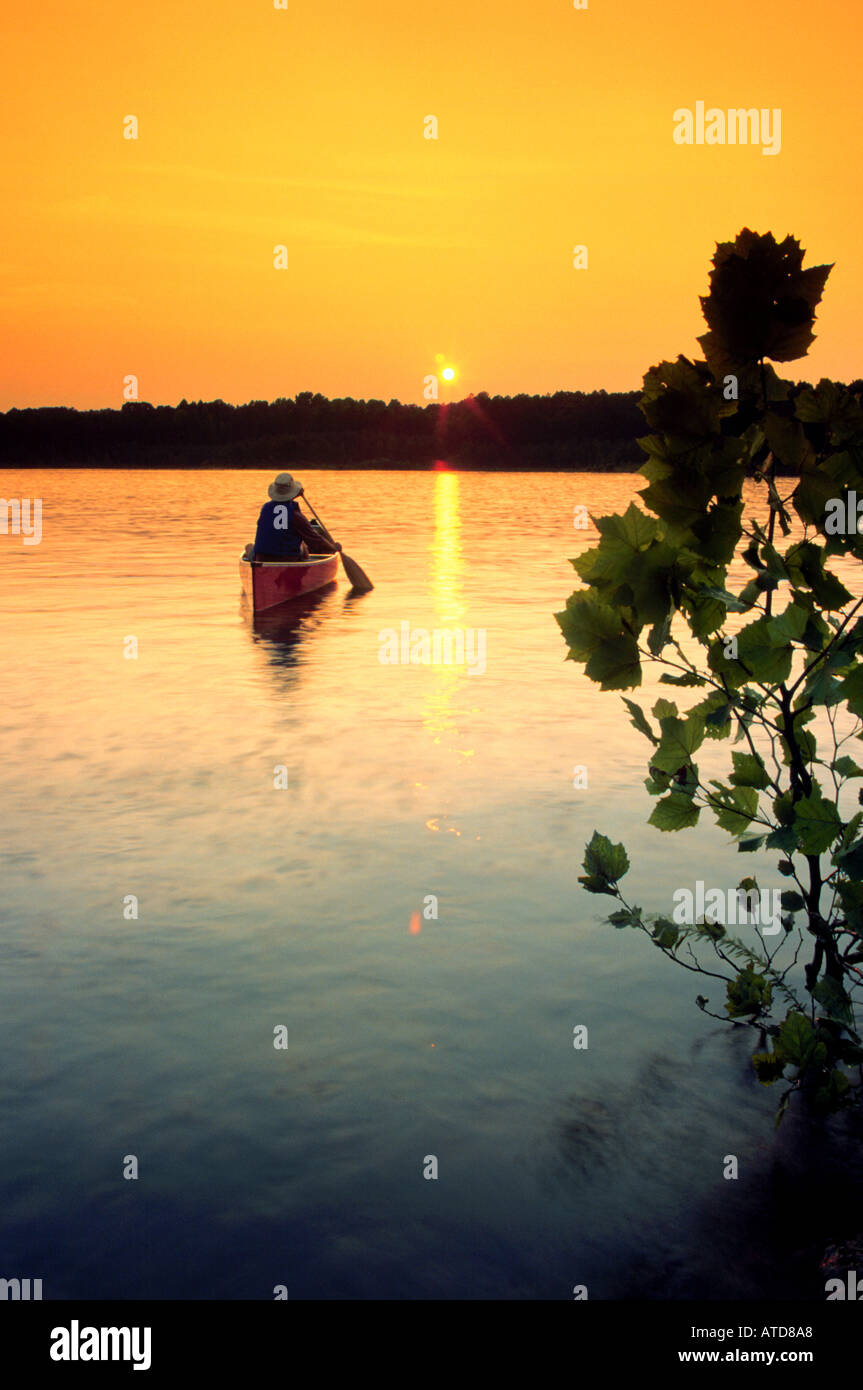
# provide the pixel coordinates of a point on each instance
(282, 630)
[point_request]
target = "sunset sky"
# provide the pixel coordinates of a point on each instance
(304, 127)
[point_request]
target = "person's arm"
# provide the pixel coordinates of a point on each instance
(314, 539)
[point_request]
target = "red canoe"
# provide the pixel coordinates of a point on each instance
(267, 583)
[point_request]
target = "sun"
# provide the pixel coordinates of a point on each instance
(448, 373)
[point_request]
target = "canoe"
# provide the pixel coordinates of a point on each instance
(267, 583)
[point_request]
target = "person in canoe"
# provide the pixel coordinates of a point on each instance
(284, 533)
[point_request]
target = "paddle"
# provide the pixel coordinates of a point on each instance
(358, 577)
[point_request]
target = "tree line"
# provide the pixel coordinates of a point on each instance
(570, 429)
(566, 430)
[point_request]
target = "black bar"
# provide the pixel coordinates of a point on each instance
(306, 1338)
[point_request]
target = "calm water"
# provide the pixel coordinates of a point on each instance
(261, 907)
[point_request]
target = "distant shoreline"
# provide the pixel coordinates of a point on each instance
(570, 431)
(300, 466)
(567, 432)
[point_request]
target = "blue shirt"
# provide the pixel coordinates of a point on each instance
(275, 534)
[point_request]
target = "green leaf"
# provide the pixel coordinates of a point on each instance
(768, 1067)
(765, 661)
(792, 902)
(624, 918)
(761, 302)
(831, 405)
(783, 838)
(689, 678)
(816, 823)
(595, 883)
(660, 634)
(626, 535)
(830, 994)
(595, 634)
(788, 626)
(720, 530)
(757, 659)
(852, 690)
(805, 562)
(812, 495)
(674, 812)
(849, 831)
(850, 859)
(602, 859)
(665, 933)
(749, 771)
(658, 782)
(632, 567)
(734, 807)
(789, 443)
(681, 399)
(715, 710)
(774, 563)
(834, 1095)
(680, 739)
(725, 597)
(821, 687)
(705, 615)
(846, 767)
(750, 993)
(664, 709)
(751, 593)
(586, 624)
(639, 720)
(616, 666)
(796, 1041)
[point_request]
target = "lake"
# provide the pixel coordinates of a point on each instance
(382, 860)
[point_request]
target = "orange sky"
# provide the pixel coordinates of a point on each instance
(305, 127)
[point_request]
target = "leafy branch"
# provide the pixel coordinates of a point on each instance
(721, 429)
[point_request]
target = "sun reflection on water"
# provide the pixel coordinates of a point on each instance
(447, 567)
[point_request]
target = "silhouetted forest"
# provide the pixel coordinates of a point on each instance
(570, 429)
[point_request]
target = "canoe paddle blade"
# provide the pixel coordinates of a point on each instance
(358, 577)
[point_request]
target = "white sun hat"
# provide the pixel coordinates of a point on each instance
(284, 488)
